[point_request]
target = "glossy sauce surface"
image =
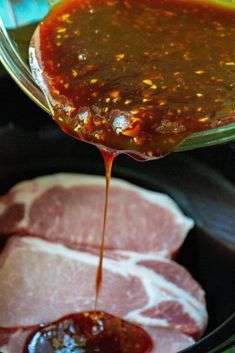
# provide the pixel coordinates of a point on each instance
(137, 76)
(89, 332)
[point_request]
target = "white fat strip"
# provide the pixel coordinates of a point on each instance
(191, 305)
(126, 268)
(45, 246)
(27, 191)
(152, 293)
(196, 312)
(137, 256)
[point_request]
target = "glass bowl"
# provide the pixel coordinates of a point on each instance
(18, 20)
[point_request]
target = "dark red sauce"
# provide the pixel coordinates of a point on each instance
(137, 76)
(89, 332)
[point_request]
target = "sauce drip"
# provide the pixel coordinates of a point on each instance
(137, 76)
(108, 162)
(89, 332)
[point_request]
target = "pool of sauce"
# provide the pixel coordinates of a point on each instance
(89, 332)
(137, 76)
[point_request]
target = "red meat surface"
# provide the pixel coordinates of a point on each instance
(42, 282)
(68, 208)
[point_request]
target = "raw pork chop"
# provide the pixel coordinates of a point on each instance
(165, 340)
(42, 281)
(68, 208)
